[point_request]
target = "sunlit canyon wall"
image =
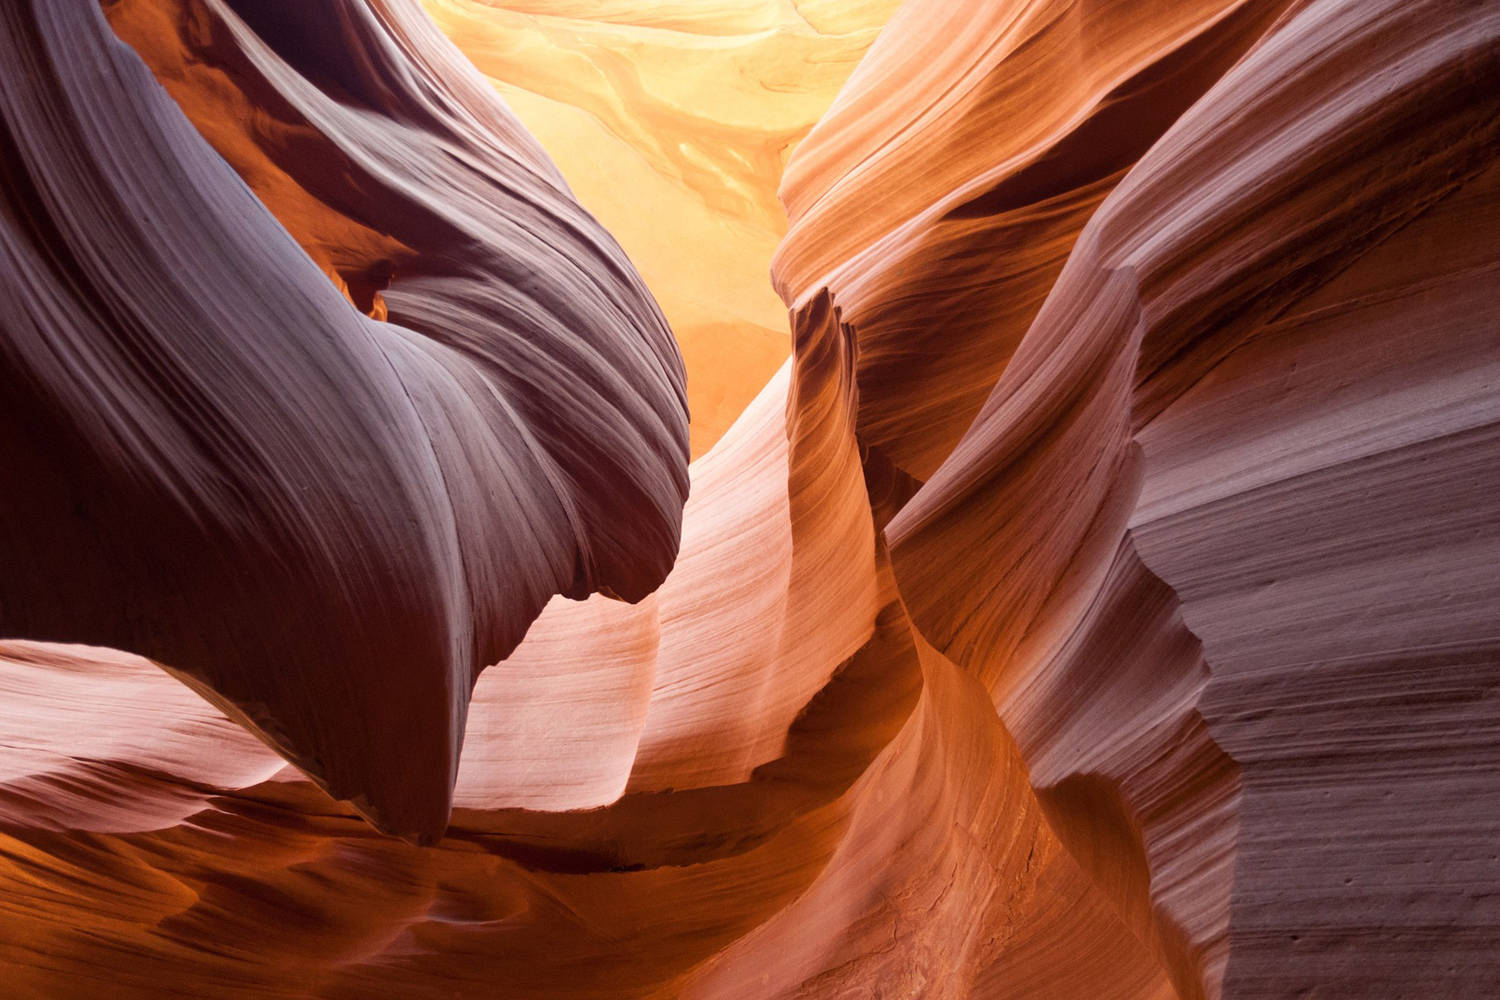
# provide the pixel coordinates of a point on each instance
(1099, 600)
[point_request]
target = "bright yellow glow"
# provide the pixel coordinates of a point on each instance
(672, 120)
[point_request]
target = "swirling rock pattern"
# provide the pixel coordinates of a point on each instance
(1098, 603)
(202, 430)
(1260, 205)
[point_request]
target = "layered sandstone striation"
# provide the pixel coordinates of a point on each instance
(1099, 602)
(326, 523)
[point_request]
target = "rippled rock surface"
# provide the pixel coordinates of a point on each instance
(1100, 601)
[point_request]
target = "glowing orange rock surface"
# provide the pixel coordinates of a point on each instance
(1099, 601)
(672, 122)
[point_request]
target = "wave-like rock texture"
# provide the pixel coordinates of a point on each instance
(326, 522)
(1099, 603)
(1193, 490)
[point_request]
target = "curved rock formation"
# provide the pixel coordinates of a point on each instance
(1230, 227)
(1098, 603)
(200, 429)
(672, 122)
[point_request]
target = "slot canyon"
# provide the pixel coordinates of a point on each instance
(750, 499)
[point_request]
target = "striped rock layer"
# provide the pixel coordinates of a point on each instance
(1100, 601)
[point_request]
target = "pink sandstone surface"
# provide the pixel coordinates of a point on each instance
(1099, 602)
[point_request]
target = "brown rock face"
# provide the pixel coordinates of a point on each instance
(1099, 603)
(325, 523)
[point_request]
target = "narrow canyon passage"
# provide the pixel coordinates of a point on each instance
(794, 498)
